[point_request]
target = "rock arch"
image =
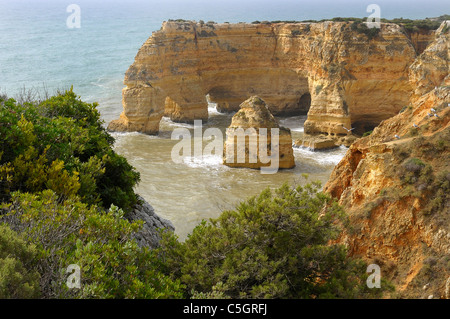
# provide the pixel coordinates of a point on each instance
(336, 75)
(304, 104)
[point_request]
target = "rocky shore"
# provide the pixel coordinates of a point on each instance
(149, 235)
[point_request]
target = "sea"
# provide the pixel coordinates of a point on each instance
(41, 50)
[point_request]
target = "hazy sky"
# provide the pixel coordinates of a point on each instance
(284, 9)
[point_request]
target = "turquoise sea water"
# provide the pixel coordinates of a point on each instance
(38, 49)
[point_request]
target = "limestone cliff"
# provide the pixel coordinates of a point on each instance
(337, 75)
(395, 183)
(251, 118)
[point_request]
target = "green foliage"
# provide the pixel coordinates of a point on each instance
(367, 133)
(446, 28)
(361, 27)
(413, 168)
(17, 278)
(358, 24)
(60, 144)
(58, 177)
(116, 185)
(275, 245)
(68, 105)
(413, 131)
(440, 186)
(424, 181)
(418, 25)
(178, 20)
(100, 243)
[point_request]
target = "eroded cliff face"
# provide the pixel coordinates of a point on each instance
(420, 39)
(395, 183)
(335, 74)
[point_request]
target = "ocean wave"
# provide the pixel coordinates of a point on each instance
(205, 161)
(323, 157)
(213, 111)
(122, 134)
(122, 137)
(167, 121)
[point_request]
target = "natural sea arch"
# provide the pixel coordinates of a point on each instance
(326, 70)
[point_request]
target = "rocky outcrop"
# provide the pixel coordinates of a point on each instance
(420, 39)
(431, 68)
(149, 235)
(247, 148)
(319, 142)
(395, 183)
(328, 70)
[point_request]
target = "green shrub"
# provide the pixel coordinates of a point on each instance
(361, 27)
(275, 245)
(99, 242)
(446, 28)
(413, 131)
(414, 165)
(72, 151)
(17, 278)
(440, 186)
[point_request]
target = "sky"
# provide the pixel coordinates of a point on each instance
(314, 9)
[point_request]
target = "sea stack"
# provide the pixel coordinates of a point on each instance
(245, 138)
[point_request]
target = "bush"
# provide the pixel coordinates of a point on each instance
(275, 245)
(60, 144)
(99, 242)
(361, 27)
(440, 187)
(17, 278)
(414, 165)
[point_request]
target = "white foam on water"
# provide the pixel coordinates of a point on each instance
(206, 161)
(98, 84)
(167, 121)
(212, 109)
(324, 157)
(122, 138)
(123, 134)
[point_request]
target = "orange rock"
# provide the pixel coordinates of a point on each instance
(336, 75)
(250, 119)
(399, 213)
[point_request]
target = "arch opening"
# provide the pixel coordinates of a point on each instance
(304, 104)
